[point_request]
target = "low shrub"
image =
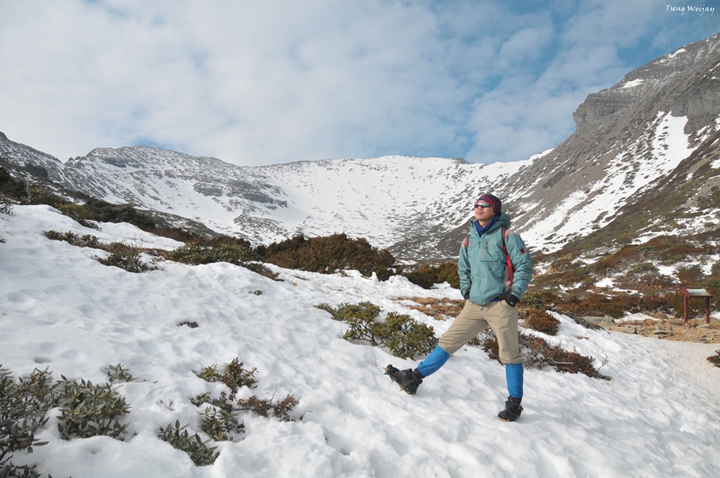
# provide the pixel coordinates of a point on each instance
(537, 353)
(426, 276)
(538, 300)
(23, 408)
(118, 373)
(402, 335)
(220, 424)
(103, 211)
(127, 258)
(234, 375)
(690, 274)
(715, 359)
(344, 311)
(195, 254)
(220, 420)
(89, 410)
(199, 452)
(6, 206)
(541, 321)
(330, 254)
(280, 410)
(239, 254)
(86, 240)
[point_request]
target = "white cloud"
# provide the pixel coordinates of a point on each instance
(274, 81)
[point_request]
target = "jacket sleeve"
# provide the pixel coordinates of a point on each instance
(464, 271)
(522, 263)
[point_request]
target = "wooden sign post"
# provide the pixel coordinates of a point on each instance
(687, 293)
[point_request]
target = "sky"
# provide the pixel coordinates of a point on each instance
(277, 81)
(63, 311)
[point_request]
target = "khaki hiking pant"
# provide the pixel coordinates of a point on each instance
(502, 319)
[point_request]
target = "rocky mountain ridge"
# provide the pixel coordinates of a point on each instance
(653, 135)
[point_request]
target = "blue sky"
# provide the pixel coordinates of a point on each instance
(265, 82)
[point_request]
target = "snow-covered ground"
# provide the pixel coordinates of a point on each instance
(61, 309)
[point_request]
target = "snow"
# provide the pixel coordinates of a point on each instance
(633, 83)
(61, 309)
(628, 173)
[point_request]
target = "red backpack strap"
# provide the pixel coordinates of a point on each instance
(507, 257)
(466, 242)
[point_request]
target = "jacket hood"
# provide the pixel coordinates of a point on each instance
(502, 221)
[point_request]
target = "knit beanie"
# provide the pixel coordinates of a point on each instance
(491, 200)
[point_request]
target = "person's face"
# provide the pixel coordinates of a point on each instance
(483, 212)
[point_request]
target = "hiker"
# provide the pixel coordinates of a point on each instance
(495, 269)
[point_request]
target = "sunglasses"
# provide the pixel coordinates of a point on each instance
(484, 206)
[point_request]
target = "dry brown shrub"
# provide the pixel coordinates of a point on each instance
(541, 321)
(538, 353)
(438, 309)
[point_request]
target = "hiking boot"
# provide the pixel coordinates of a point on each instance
(409, 379)
(512, 411)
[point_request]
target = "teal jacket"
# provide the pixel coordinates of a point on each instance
(482, 265)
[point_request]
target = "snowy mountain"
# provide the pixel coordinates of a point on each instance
(659, 126)
(63, 311)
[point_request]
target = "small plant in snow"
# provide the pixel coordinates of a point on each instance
(220, 424)
(23, 408)
(402, 335)
(86, 240)
(715, 359)
(126, 257)
(199, 452)
(89, 410)
(118, 373)
(264, 408)
(537, 353)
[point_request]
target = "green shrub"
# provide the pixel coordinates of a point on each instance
(402, 335)
(103, 211)
(427, 275)
(6, 206)
(346, 310)
(715, 271)
(23, 408)
(645, 268)
(86, 240)
(126, 257)
(405, 337)
(238, 254)
(198, 450)
(220, 423)
(89, 410)
(118, 373)
(690, 275)
(234, 375)
(536, 299)
(330, 254)
(196, 254)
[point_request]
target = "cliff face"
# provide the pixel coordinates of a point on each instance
(628, 139)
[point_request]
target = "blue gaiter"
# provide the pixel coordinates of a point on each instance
(433, 362)
(514, 378)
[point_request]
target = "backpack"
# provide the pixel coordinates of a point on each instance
(510, 267)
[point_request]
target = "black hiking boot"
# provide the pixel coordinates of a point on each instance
(409, 379)
(512, 411)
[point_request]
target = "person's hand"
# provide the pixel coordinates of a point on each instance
(511, 299)
(466, 295)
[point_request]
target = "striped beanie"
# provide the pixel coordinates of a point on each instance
(491, 200)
